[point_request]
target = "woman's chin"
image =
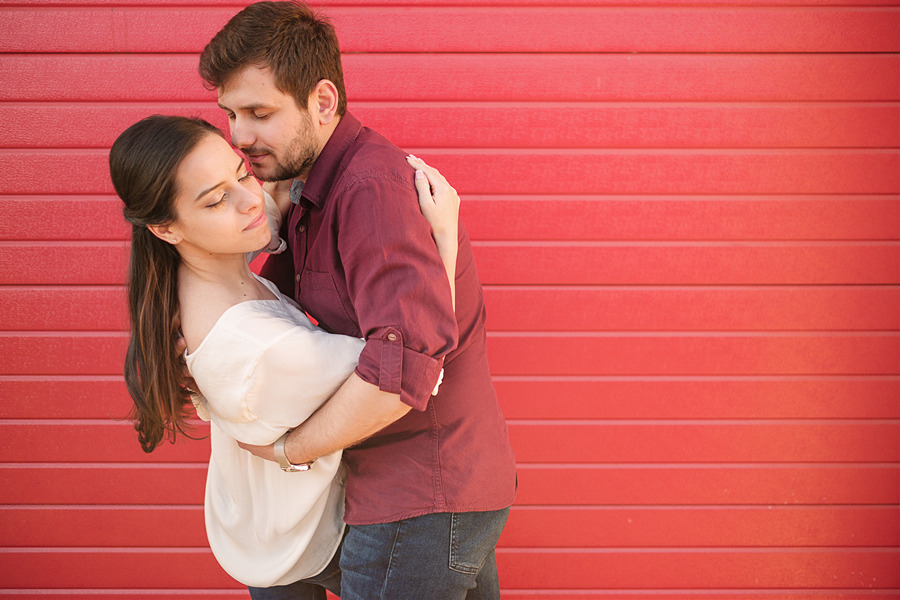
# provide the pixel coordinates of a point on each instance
(267, 243)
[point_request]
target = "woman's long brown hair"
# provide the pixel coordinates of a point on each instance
(143, 163)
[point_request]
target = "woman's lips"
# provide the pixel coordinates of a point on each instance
(256, 222)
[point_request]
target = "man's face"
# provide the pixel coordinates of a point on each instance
(276, 136)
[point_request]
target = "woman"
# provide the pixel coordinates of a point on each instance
(259, 363)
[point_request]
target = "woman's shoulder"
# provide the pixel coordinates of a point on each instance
(206, 308)
(233, 339)
(201, 308)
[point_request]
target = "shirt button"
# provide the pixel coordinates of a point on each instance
(297, 277)
(301, 228)
(392, 337)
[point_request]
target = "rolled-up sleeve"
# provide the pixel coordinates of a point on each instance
(398, 287)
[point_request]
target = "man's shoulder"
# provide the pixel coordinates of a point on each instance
(372, 139)
(373, 160)
(374, 153)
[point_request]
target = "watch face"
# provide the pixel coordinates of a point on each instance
(289, 468)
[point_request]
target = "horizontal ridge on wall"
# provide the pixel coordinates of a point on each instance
(437, 125)
(547, 397)
(539, 353)
(551, 218)
(536, 308)
(495, 77)
(545, 442)
(854, 526)
(795, 484)
(330, 5)
(567, 171)
(663, 568)
(833, 263)
(521, 29)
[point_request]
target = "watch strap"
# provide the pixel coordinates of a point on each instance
(282, 458)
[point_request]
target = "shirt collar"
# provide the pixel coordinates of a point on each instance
(324, 171)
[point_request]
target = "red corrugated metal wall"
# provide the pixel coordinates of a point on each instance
(686, 216)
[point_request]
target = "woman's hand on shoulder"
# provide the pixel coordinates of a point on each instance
(440, 205)
(438, 200)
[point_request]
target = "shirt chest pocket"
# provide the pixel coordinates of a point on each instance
(319, 296)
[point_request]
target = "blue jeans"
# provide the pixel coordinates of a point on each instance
(306, 589)
(443, 556)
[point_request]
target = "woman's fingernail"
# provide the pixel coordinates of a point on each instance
(420, 175)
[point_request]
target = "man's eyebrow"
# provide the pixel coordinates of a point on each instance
(206, 191)
(254, 106)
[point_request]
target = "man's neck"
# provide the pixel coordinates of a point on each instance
(324, 135)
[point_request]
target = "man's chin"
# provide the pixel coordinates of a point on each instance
(275, 171)
(269, 175)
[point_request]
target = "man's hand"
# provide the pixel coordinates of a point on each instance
(355, 412)
(264, 452)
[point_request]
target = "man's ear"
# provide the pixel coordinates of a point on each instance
(324, 101)
(165, 232)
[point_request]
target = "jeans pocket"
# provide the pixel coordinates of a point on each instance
(473, 536)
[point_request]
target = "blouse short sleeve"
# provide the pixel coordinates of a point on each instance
(265, 368)
(295, 375)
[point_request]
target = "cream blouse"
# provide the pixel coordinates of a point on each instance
(263, 369)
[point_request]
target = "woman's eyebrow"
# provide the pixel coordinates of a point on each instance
(221, 183)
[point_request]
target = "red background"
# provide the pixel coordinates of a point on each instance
(686, 216)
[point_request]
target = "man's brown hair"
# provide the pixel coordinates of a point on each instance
(297, 44)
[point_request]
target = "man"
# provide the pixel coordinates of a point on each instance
(430, 477)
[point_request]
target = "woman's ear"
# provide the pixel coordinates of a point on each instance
(165, 232)
(324, 101)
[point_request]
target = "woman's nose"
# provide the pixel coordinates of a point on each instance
(250, 200)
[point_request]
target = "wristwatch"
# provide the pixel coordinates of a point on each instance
(282, 458)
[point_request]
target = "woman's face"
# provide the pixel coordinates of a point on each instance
(220, 207)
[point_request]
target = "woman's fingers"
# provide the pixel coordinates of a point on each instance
(438, 200)
(426, 200)
(441, 190)
(434, 176)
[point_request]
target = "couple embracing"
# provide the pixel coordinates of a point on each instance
(364, 454)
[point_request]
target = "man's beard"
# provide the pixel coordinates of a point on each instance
(300, 156)
(300, 159)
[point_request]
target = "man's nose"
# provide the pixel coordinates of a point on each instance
(241, 133)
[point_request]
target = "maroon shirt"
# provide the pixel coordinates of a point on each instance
(362, 262)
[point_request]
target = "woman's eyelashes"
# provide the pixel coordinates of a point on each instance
(246, 177)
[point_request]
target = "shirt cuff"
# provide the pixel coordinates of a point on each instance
(395, 369)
